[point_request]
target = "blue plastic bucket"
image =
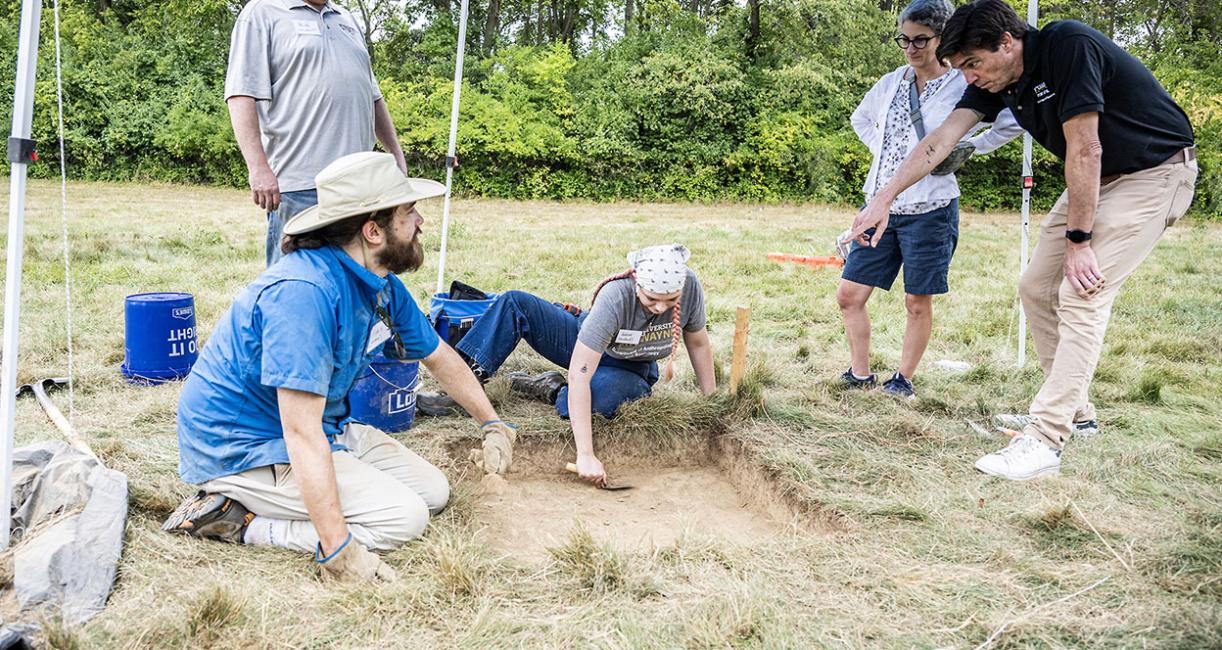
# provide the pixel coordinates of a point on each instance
(160, 341)
(453, 318)
(384, 395)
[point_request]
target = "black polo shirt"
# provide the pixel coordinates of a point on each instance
(1070, 68)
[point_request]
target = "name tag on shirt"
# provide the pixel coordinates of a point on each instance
(628, 337)
(307, 28)
(377, 336)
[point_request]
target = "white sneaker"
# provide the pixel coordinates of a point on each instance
(1025, 458)
(1016, 422)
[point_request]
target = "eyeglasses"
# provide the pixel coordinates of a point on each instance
(919, 42)
(384, 316)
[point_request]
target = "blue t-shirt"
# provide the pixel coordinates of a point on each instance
(304, 324)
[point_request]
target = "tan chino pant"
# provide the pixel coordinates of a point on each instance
(1133, 212)
(387, 492)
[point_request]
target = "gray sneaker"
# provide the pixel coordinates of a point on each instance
(849, 380)
(1016, 422)
(210, 516)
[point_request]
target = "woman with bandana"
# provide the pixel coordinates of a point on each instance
(637, 318)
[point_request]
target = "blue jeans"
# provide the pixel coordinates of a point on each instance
(552, 332)
(290, 204)
(922, 243)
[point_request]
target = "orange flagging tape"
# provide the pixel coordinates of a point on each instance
(807, 260)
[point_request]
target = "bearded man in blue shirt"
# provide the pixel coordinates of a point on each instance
(263, 423)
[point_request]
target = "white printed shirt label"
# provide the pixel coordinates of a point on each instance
(307, 28)
(628, 337)
(377, 336)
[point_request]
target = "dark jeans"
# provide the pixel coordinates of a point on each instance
(291, 203)
(552, 332)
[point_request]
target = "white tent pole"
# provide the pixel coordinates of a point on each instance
(1022, 251)
(450, 152)
(20, 149)
(1033, 15)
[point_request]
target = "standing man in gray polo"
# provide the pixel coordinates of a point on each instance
(301, 94)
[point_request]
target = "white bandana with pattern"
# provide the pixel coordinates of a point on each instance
(660, 269)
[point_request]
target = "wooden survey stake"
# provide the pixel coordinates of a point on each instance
(739, 363)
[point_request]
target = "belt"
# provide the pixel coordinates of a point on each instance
(1185, 155)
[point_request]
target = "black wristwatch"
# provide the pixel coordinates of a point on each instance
(1077, 236)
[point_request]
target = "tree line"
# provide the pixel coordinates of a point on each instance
(702, 100)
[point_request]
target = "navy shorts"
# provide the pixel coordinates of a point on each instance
(921, 243)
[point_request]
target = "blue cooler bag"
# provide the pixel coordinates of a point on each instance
(454, 318)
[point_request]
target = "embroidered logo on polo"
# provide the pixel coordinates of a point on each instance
(1043, 93)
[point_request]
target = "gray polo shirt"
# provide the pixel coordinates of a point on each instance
(309, 74)
(619, 326)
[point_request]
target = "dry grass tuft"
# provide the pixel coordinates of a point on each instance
(749, 401)
(59, 636)
(595, 567)
(456, 564)
(1058, 518)
(1149, 388)
(732, 620)
(667, 416)
(208, 617)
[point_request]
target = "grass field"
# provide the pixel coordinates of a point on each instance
(896, 540)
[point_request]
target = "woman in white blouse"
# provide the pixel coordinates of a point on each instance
(924, 226)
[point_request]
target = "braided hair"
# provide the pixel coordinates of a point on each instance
(676, 317)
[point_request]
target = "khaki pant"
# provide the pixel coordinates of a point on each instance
(1067, 329)
(386, 491)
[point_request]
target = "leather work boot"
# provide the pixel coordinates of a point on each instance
(543, 387)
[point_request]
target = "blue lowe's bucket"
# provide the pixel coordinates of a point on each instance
(160, 341)
(453, 318)
(384, 395)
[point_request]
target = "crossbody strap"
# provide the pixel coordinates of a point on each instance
(914, 107)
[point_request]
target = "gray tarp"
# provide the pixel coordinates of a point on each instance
(68, 564)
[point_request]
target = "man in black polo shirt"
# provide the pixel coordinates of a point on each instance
(1130, 170)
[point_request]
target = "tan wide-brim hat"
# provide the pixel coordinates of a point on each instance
(360, 183)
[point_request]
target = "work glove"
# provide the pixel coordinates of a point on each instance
(353, 563)
(955, 159)
(496, 455)
(843, 244)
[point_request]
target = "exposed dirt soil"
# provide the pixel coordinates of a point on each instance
(704, 492)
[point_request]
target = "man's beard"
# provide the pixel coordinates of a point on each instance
(400, 256)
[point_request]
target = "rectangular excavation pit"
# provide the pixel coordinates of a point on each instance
(705, 488)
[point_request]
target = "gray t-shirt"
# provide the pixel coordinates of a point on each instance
(309, 74)
(621, 327)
